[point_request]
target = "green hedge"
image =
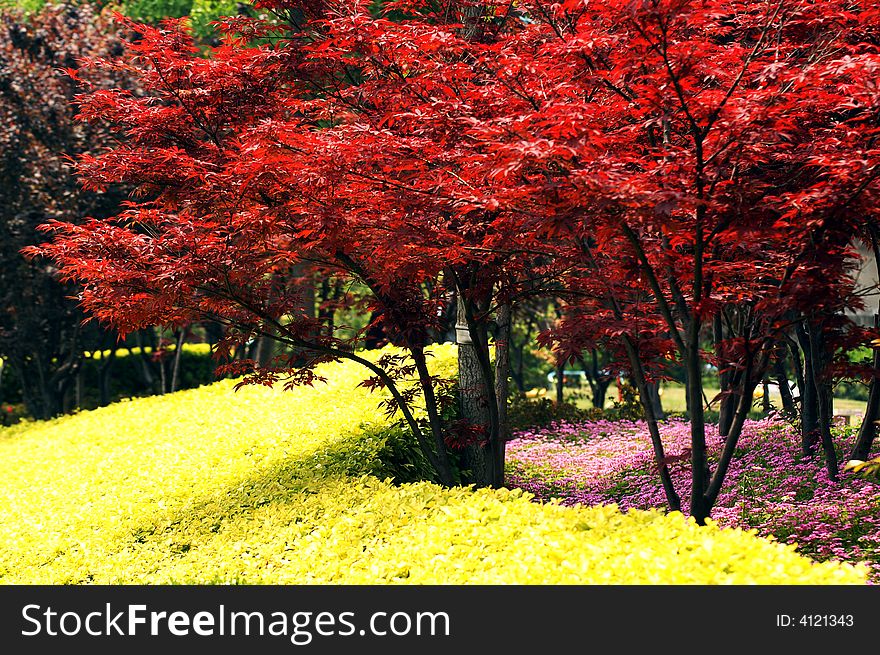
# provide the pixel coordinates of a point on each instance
(126, 379)
(200, 12)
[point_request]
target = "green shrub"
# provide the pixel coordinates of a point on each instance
(851, 390)
(127, 378)
(524, 412)
(200, 12)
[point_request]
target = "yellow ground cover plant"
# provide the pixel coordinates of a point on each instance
(263, 486)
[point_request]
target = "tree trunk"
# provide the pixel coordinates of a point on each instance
(473, 402)
(502, 368)
(78, 401)
(162, 377)
(809, 397)
(149, 379)
(178, 352)
(653, 391)
(784, 391)
(868, 430)
(673, 500)
(560, 383)
(823, 396)
(516, 352)
(441, 459)
(600, 393)
(700, 508)
(598, 382)
(264, 351)
(726, 411)
(40, 399)
(328, 296)
(213, 332)
(746, 390)
(795, 353)
(104, 369)
(729, 401)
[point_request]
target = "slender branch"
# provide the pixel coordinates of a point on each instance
(665, 310)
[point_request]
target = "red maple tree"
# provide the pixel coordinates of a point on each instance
(735, 166)
(668, 167)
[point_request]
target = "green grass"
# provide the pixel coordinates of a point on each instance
(673, 399)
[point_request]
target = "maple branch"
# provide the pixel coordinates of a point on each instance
(638, 371)
(418, 355)
(548, 19)
(750, 380)
(859, 189)
(713, 115)
(176, 93)
(673, 76)
(501, 79)
(438, 459)
(665, 310)
(384, 181)
(677, 294)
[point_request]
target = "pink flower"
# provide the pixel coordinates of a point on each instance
(769, 487)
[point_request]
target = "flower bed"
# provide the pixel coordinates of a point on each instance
(769, 487)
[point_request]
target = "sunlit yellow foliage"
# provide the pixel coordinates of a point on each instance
(212, 486)
(194, 348)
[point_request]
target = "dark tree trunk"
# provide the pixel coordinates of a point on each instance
(560, 383)
(746, 390)
(37, 401)
(600, 393)
(653, 391)
(441, 456)
(104, 370)
(784, 390)
(598, 381)
(795, 353)
(178, 353)
(765, 398)
(673, 500)
(868, 430)
(809, 397)
(146, 366)
(44, 391)
(729, 401)
(77, 393)
(823, 397)
(726, 411)
(213, 332)
(328, 297)
(264, 351)
(700, 508)
(163, 378)
(516, 370)
(375, 337)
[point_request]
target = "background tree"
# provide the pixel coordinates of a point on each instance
(42, 338)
